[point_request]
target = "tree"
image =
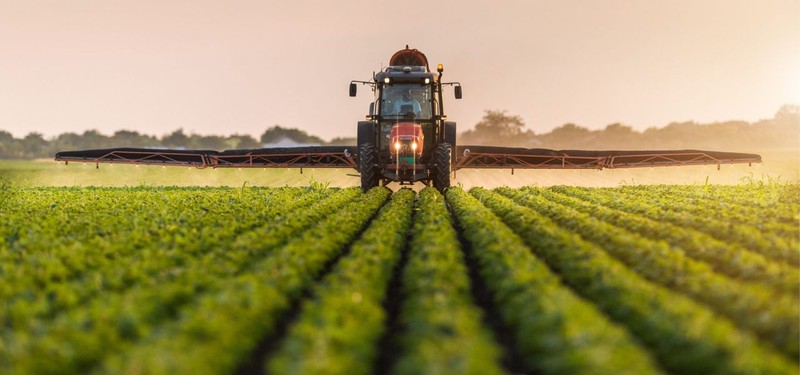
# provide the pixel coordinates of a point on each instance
(567, 136)
(10, 147)
(500, 125)
(277, 133)
(676, 135)
(343, 141)
(619, 136)
(127, 138)
(209, 142)
(69, 142)
(93, 139)
(34, 145)
(498, 128)
(242, 141)
(786, 127)
(788, 113)
(175, 140)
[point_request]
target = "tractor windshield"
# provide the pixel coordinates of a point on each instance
(405, 101)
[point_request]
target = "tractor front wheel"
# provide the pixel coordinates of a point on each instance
(367, 166)
(441, 170)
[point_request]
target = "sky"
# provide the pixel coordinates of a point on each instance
(242, 66)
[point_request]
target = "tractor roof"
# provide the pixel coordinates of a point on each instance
(407, 66)
(405, 74)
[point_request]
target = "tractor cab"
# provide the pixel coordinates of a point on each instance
(401, 104)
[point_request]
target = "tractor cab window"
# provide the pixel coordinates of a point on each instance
(405, 101)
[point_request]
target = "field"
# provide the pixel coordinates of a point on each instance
(317, 279)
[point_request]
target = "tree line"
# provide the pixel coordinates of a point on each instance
(495, 128)
(780, 132)
(34, 145)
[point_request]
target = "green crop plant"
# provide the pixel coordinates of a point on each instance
(205, 341)
(555, 331)
(751, 238)
(441, 326)
(663, 265)
(339, 326)
(729, 259)
(685, 336)
(313, 279)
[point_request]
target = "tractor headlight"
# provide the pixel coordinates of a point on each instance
(414, 146)
(397, 146)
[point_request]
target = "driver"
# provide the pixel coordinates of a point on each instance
(407, 100)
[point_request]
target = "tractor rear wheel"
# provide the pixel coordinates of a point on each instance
(367, 162)
(441, 170)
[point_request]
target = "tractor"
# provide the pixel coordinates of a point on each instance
(406, 137)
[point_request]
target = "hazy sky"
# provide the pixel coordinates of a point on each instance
(238, 66)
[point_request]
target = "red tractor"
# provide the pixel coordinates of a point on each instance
(406, 137)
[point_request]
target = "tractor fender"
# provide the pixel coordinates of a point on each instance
(366, 133)
(450, 137)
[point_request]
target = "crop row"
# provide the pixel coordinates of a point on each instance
(659, 263)
(685, 336)
(771, 246)
(340, 325)
(80, 336)
(555, 331)
(775, 201)
(221, 329)
(731, 260)
(442, 330)
(120, 261)
(775, 223)
(102, 264)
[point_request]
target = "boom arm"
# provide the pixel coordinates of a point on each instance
(480, 157)
(537, 158)
(286, 157)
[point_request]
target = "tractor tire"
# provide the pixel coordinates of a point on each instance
(441, 170)
(367, 166)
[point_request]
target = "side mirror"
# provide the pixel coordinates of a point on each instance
(353, 89)
(371, 108)
(458, 92)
